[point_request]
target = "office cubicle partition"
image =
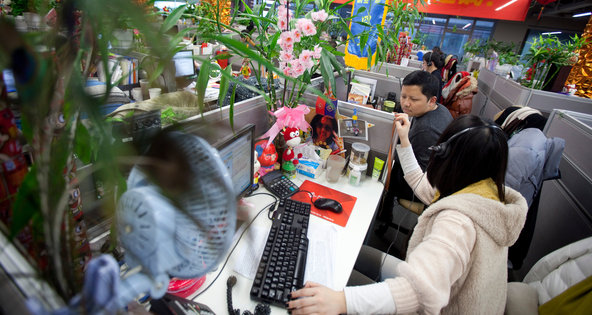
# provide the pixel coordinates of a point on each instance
(497, 93)
(393, 70)
(565, 209)
(384, 84)
(479, 102)
(546, 102)
(250, 111)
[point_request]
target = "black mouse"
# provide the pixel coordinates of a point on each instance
(328, 204)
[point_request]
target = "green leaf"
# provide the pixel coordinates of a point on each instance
(202, 84)
(273, 41)
(231, 108)
(363, 23)
(83, 144)
(327, 71)
(224, 85)
(336, 65)
(344, 4)
(172, 19)
(26, 203)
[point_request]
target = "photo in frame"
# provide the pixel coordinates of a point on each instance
(355, 129)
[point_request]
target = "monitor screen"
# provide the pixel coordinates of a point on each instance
(8, 79)
(184, 63)
(237, 152)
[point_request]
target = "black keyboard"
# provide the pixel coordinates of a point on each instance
(281, 269)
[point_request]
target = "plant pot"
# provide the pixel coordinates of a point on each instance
(557, 82)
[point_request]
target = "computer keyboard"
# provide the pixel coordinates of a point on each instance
(281, 269)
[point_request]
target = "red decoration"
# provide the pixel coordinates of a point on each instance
(543, 3)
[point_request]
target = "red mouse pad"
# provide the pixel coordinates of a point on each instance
(320, 191)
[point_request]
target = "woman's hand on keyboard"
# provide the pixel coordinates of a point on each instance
(317, 299)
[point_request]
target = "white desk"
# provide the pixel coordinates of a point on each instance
(349, 242)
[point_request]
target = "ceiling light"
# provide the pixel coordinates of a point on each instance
(505, 5)
(468, 24)
(551, 33)
(582, 14)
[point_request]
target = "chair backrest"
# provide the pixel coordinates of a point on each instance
(561, 269)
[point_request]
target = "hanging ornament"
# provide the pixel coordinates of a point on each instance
(543, 3)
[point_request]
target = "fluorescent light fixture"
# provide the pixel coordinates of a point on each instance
(582, 14)
(505, 5)
(551, 33)
(467, 25)
(433, 21)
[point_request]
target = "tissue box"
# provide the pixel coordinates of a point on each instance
(309, 168)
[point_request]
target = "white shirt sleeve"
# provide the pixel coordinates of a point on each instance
(407, 159)
(370, 299)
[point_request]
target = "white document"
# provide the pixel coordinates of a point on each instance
(319, 259)
(370, 82)
(250, 254)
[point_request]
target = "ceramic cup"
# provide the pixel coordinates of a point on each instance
(137, 94)
(335, 164)
(154, 92)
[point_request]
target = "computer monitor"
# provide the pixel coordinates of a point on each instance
(183, 61)
(237, 152)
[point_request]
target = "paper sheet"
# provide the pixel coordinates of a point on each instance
(250, 254)
(319, 260)
(321, 254)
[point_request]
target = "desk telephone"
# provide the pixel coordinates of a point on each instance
(278, 184)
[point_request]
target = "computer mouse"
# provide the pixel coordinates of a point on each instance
(328, 204)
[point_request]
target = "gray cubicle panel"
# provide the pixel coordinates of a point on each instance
(384, 84)
(507, 93)
(546, 102)
(393, 70)
(486, 81)
(479, 103)
(250, 111)
(415, 64)
(565, 208)
(490, 109)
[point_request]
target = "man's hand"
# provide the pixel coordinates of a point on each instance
(402, 124)
(317, 299)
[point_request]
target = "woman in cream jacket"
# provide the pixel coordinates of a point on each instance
(457, 256)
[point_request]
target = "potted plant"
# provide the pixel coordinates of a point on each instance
(546, 52)
(51, 67)
(403, 18)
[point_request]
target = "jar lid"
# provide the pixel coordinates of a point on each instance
(360, 147)
(358, 167)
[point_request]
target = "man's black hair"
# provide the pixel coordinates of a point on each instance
(428, 83)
